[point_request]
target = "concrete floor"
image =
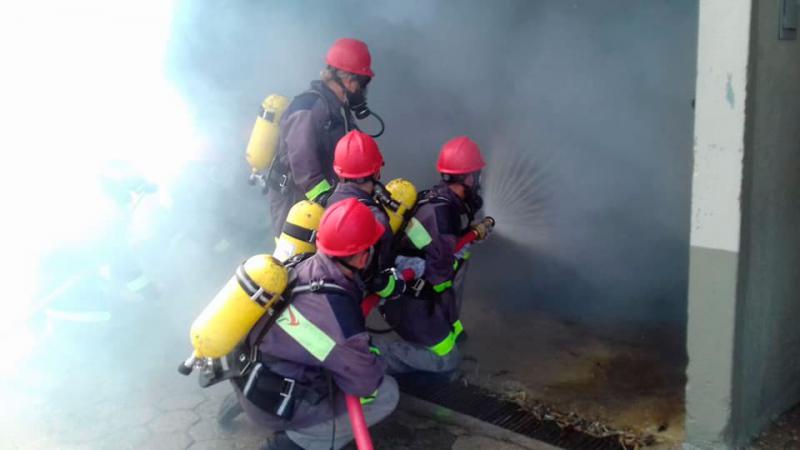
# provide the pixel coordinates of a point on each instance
(168, 412)
(625, 382)
(115, 386)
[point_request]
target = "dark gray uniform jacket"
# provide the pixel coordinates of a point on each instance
(309, 129)
(315, 334)
(432, 318)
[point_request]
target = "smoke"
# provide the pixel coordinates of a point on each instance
(582, 107)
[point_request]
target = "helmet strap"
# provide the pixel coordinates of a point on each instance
(353, 268)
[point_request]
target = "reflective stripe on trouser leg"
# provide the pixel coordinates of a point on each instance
(403, 356)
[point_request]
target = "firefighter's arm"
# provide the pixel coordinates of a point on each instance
(356, 369)
(440, 261)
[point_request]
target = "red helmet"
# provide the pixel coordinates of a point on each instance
(357, 156)
(350, 55)
(348, 227)
(460, 155)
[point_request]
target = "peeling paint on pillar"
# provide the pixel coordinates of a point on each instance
(729, 95)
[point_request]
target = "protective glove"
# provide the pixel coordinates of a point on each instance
(483, 228)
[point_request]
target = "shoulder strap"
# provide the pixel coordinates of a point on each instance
(319, 287)
(425, 197)
(372, 202)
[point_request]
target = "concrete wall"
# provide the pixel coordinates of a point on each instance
(743, 337)
(767, 363)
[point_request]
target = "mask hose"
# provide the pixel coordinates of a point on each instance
(362, 112)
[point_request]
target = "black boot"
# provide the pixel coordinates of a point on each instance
(280, 441)
(228, 410)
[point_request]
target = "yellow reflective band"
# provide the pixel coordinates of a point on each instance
(466, 256)
(455, 265)
(417, 233)
(321, 187)
(457, 327)
(444, 347)
(370, 398)
(387, 291)
(439, 288)
(447, 344)
(311, 338)
(375, 350)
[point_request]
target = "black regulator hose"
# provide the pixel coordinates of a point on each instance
(383, 125)
(361, 111)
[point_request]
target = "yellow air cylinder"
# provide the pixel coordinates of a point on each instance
(254, 288)
(403, 192)
(264, 137)
(299, 230)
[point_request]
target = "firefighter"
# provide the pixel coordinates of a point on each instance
(311, 126)
(357, 162)
(426, 316)
(319, 346)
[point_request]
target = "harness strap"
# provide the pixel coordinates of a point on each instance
(298, 232)
(251, 288)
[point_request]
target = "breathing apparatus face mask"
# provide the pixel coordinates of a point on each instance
(357, 101)
(472, 192)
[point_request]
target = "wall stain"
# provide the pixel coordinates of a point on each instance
(729, 96)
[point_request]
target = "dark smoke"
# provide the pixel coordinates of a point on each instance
(595, 94)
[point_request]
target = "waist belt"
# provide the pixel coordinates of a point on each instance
(278, 177)
(275, 393)
(422, 288)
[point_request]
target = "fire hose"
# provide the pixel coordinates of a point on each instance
(358, 422)
(478, 232)
(354, 410)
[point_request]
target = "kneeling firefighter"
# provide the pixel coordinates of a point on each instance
(357, 162)
(426, 316)
(318, 349)
(311, 126)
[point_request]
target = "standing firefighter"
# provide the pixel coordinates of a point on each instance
(319, 346)
(357, 162)
(311, 126)
(427, 315)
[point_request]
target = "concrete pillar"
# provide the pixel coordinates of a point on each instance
(743, 339)
(722, 59)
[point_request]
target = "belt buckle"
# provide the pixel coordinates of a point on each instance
(417, 287)
(284, 181)
(287, 388)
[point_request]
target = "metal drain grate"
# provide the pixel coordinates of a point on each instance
(480, 404)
